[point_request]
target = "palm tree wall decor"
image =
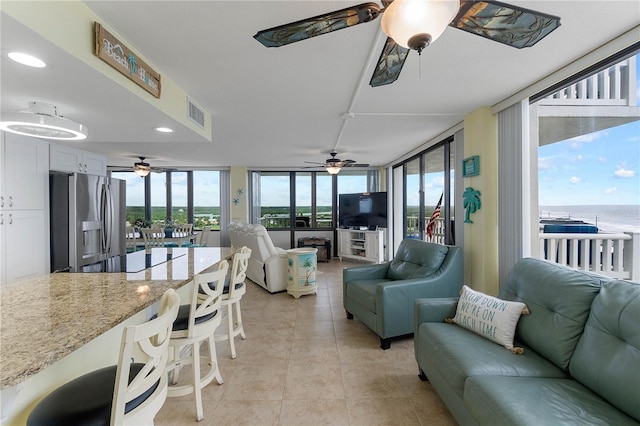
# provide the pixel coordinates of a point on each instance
(471, 202)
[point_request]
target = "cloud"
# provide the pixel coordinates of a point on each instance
(623, 172)
(438, 181)
(610, 191)
(545, 162)
(589, 137)
(602, 159)
(575, 180)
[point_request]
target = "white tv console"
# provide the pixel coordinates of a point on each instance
(361, 245)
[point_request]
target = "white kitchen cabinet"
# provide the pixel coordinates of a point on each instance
(24, 172)
(362, 245)
(24, 203)
(71, 160)
(23, 245)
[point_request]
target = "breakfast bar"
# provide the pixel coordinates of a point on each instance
(46, 319)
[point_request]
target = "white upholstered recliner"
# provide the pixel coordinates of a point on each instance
(268, 264)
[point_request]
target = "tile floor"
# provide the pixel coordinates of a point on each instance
(304, 363)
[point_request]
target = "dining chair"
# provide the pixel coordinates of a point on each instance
(130, 238)
(131, 392)
(153, 237)
(234, 289)
(202, 238)
(195, 324)
(181, 231)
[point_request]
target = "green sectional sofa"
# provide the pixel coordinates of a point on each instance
(581, 360)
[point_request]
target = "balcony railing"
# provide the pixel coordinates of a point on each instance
(615, 85)
(612, 255)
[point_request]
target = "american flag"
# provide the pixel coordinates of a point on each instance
(431, 226)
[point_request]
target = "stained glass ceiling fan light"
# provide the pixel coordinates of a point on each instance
(414, 24)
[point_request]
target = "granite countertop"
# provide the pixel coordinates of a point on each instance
(46, 318)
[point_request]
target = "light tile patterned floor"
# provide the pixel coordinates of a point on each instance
(304, 363)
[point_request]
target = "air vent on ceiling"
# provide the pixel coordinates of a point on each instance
(195, 113)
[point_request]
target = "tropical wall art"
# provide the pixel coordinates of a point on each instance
(238, 196)
(470, 202)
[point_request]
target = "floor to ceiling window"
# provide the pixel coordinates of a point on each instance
(299, 200)
(206, 199)
(177, 196)
(160, 204)
(589, 154)
(134, 197)
(426, 200)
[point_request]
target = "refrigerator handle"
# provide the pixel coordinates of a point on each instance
(103, 217)
(109, 219)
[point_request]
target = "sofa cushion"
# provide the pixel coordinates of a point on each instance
(489, 317)
(537, 401)
(607, 357)
(559, 299)
(364, 292)
(458, 353)
(416, 259)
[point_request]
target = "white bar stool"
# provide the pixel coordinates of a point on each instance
(196, 323)
(127, 393)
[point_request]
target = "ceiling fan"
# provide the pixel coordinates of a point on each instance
(142, 168)
(414, 24)
(334, 165)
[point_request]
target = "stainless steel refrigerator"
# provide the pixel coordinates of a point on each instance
(87, 219)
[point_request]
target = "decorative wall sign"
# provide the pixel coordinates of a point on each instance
(471, 202)
(113, 52)
(471, 166)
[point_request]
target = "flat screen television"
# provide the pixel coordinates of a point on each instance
(363, 209)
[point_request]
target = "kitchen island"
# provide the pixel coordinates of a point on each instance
(48, 318)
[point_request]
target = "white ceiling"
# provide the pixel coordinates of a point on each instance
(280, 107)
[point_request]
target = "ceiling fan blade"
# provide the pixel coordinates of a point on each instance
(505, 23)
(356, 165)
(318, 25)
(314, 162)
(389, 64)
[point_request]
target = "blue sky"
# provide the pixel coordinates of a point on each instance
(601, 168)
(594, 169)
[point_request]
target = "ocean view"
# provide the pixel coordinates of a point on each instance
(608, 218)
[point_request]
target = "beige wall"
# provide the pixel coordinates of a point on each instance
(481, 236)
(239, 189)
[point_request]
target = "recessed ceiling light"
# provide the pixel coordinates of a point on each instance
(28, 60)
(163, 130)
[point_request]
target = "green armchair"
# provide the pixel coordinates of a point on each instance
(383, 296)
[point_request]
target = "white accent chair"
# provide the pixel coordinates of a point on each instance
(128, 393)
(196, 323)
(268, 264)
